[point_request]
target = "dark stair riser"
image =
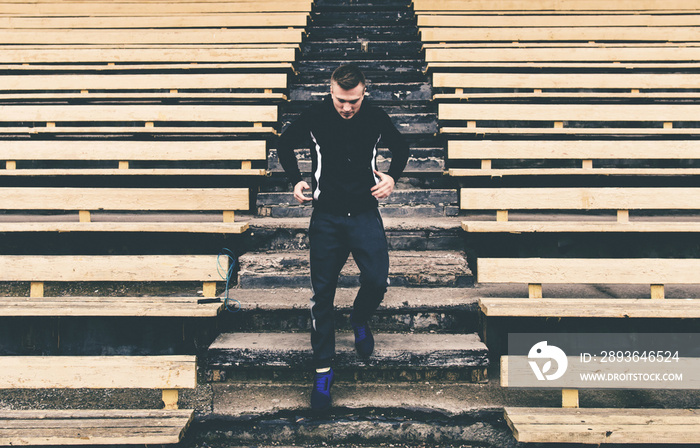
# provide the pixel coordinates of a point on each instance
(399, 197)
(357, 51)
(361, 373)
(325, 16)
(284, 239)
(409, 92)
(406, 268)
(343, 32)
(406, 123)
(353, 281)
(426, 320)
(384, 70)
(345, 427)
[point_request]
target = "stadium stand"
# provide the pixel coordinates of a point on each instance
(571, 424)
(97, 427)
(113, 116)
(106, 268)
(563, 109)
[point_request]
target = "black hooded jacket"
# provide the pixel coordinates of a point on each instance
(343, 153)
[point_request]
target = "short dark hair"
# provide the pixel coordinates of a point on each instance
(348, 76)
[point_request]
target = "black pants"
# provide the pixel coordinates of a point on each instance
(332, 238)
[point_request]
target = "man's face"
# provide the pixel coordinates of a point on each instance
(347, 102)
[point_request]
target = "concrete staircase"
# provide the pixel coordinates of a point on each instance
(425, 331)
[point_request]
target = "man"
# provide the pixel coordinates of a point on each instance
(343, 133)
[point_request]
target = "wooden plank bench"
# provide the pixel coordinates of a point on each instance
(137, 201)
(648, 119)
(231, 20)
(598, 6)
(538, 271)
(604, 425)
(538, 20)
(73, 9)
(138, 119)
(563, 56)
(239, 86)
(556, 33)
(245, 57)
(466, 86)
(557, 200)
(571, 424)
(125, 156)
(37, 270)
(150, 36)
(97, 427)
(502, 158)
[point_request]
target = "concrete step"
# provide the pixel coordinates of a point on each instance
(407, 268)
(421, 161)
(359, 15)
(396, 357)
(369, 31)
(416, 310)
(406, 122)
(428, 414)
(385, 70)
(422, 233)
(404, 203)
(360, 49)
(326, 6)
(377, 91)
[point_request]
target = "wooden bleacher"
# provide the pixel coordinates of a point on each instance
(537, 100)
(140, 202)
(241, 35)
(557, 201)
(111, 268)
(104, 107)
(97, 427)
(251, 87)
(572, 424)
(469, 86)
(537, 272)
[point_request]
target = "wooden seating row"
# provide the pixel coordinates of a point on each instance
(141, 202)
(572, 86)
(559, 118)
(547, 19)
(253, 58)
(584, 56)
(572, 424)
(97, 427)
(169, 373)
(596, 6)
(124, 118)
(190, 36)
(111, 268)
(558, 201)
(163, 20)
(258, 87)
(108, 8)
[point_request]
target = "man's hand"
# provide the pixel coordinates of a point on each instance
(299, 192)
(384, 188)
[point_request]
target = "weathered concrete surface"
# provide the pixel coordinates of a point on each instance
(403, 233)
(291, 269)
(293, 350)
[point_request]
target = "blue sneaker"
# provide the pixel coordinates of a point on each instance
(321, 393)
(364, 341)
